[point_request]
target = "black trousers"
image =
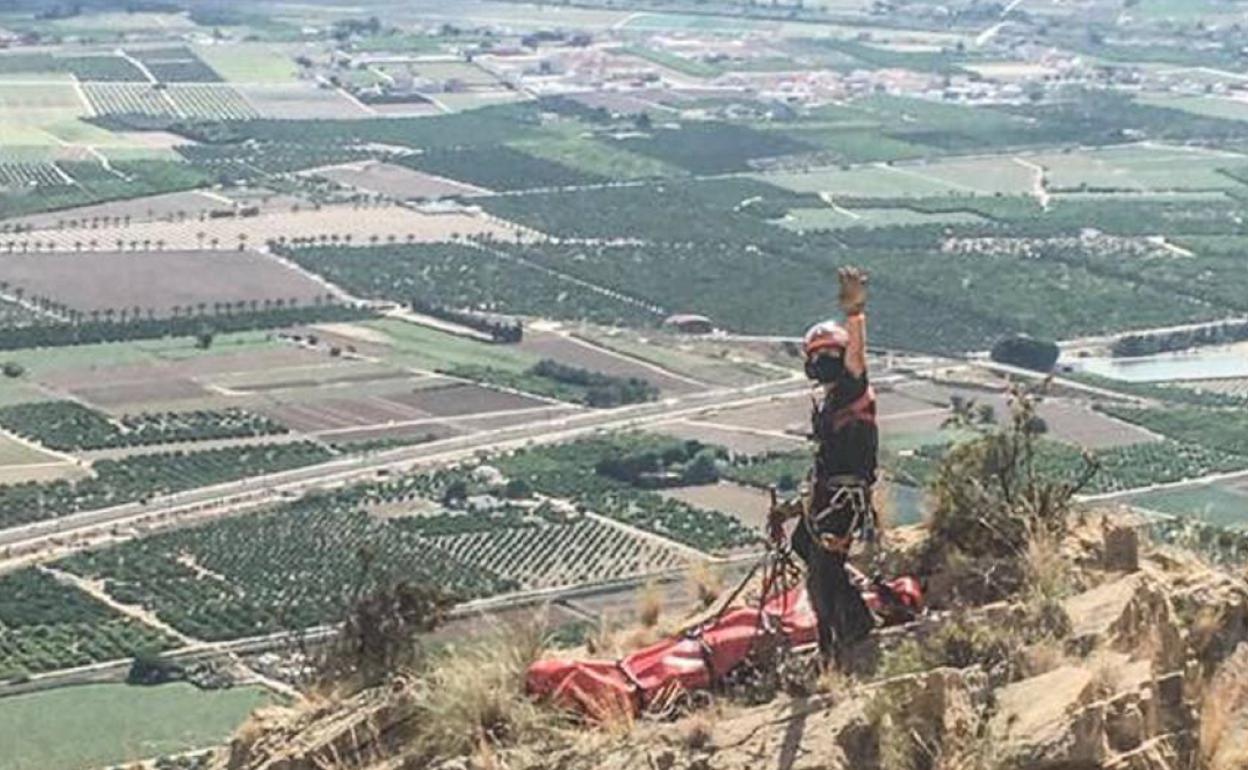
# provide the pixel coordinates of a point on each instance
(842, 615)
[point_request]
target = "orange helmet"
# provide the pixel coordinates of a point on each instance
(826, 335)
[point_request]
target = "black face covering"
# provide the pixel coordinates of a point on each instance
(825, 368)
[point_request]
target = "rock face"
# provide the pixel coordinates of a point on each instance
(1152, 675)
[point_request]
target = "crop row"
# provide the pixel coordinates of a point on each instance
(101, 67)
(70, 426)
(132, 180)
(30, 175)
(295, 567)
(301, 564)
(175, 65)
(140, 478)
(1120, 468)
(46, 626)
(547, 556)
(1222, 429)
(207, 102)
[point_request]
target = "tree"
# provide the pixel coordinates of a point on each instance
(1026, 352)
(203, 339)
(149, 668)
(12, 369)
(702, 469)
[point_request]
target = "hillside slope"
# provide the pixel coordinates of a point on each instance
(1143, 665)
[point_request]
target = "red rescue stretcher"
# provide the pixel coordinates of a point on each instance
(701, 656)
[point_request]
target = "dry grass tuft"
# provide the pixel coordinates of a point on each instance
(1047, 573)
(650, 604)
(707, 582)
(473, 696)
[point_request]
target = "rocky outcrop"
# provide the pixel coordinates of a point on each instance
(1149, 673)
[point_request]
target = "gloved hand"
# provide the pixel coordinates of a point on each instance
(781, 511)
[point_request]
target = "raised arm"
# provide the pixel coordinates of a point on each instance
(854, 303)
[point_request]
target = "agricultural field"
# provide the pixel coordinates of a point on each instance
(20, 175)
(36, 102)
(46, 626)
(129, 179)
(833, 217)
(245, 62)
(301, 101)
(174, 65)
(108, 284)
(499, 168)
(69, 426)
(602, 158)
(1140, 168)
(702, 361)
(468, 278)
(711, 148)
(117, 724)
(1222, 505)
(347, 223)
(394, 181)
(143, 477)
(206, 102)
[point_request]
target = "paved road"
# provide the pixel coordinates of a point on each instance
(235, 496)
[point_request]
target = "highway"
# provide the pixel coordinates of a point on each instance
(246, 494)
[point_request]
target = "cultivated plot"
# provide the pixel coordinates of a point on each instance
(302, 101)
(1140, 167)
(344, 224)
(159, 283)
(116, 724)
(251, 62)
(1222, 505)
(395, 181)
(573, 352)
(836, 218)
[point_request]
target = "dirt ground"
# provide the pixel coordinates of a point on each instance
(575, 353)
(462, 398)
(783, 414)
(1080, 425)
(735, 440)
(157, 281)
(395, 181)
(141, 393)
(384, 223)
(298, 101)
(746, 503)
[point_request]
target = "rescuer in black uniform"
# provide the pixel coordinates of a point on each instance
(838, 502)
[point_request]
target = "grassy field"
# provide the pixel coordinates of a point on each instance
(870, 181)
(40, 360)
(604, 158)
(1210, 106)
(250, 62)
(14, 452)
(425, 348)
(77, 728)
(38, 101)
(989, 176)
(802, 220)
(1140, 168)
(1224, 506)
